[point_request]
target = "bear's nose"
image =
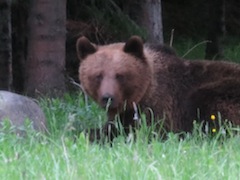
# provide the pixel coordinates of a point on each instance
(107, 100)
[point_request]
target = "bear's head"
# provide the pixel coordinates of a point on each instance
(115, 75)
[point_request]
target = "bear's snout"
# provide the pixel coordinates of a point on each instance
(107, 100)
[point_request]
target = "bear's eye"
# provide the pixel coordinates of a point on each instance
(120, 77)
(96, 78)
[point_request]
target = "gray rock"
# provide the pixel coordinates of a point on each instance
(18, 109)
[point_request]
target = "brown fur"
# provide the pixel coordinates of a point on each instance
(156, 79)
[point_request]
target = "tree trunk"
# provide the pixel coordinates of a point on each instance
(46, 48)
(152, 20)
(5, 45)
(216, 31)
(19, 43)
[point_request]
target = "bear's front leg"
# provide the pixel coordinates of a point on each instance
(105, 134)
(117, 124)
(110, 131)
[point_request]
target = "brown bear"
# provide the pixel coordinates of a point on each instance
(121, 76)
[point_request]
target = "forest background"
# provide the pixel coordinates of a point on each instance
(38, 37)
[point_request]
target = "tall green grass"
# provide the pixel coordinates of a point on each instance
(190, 49)
(195, 49)
(72, 114)
(58, 155)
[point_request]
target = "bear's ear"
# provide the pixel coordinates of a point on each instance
(134, 46)
(84, 48)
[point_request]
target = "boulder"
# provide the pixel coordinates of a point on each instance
(18, 109)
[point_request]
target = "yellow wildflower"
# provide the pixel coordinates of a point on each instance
(214, 130)
(213, 117)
